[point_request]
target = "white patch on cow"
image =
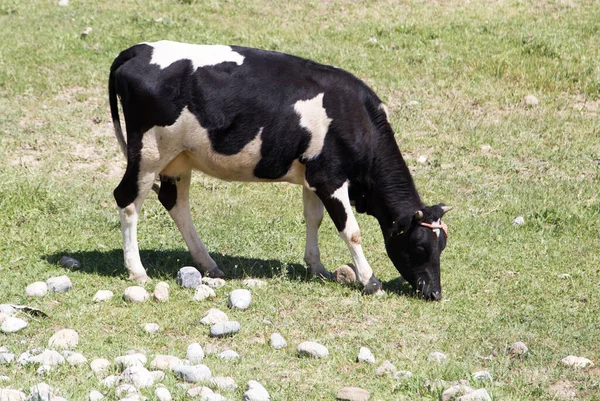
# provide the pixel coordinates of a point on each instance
(313, 118)
(313, 215)
(129, 219)
(385, 109)
(166, 52)
(437, 230)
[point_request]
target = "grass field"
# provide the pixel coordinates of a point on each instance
(454, 74)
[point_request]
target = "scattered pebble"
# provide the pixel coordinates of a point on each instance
(95, 395)
(277, 341)
(313, 349)
(256, 392)
(344, 274)
(102, 295)
(162, 394)
(139, 376)
(224, 328)
(437, 357)
(135, 294)
(6, 358)
(353, 394)
(214, 316)
(385, 368)
(41, 392)
(126, 361)
(42, 370)
(151, 328)
(229, 354)
(63, 3)
(564, 275)
(365, 355)
(134, 397)
(254, 283)
(192, 374)
(202, 292)
(455, 391)
(240, 299)
(67, 262)
(518, 348)
(59, 284)
(64, 339)
(422, 159)
(412, 103)
(7, 394)
(486, 148)
(100, 365)
(519, 221)
(476, 395)
(188, 277)
(12, 325)
(214, 282)
(126, 389)
(110, 381)
(194, 353)
(37, 289)
(76, 359)
(577, 362)
(161, 292)
(165, 362)
(86, 31)
(202, 392)
(7, 309)
(530, 100)
(223, 383)
(482, 375)
(403, 374)
(48, 357)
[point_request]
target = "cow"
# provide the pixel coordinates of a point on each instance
(244, 114)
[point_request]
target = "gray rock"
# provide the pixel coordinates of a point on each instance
(365, 355)
(161, 292)
(240, 299)
(12, 325)
(531, 100)
(256, 392)
(188, 277)
(229, 354)
(195, 353)
(517, 349)
(110, 381)
(37, 289)
(277, 341)
(41, 392)
(576, 362)
(476, 395)
(64, 339)
(518, 221)
(214, 282)
(95, 395)
(165, 362)
(254, 283)
(192, 374)
(135, 294)
(313, 350)
(223, 383)
(162, 394)
(127, 361)
(403, 374)
(103, 295)
(7, 394)
(353, 394)
(455, 391)
(482, 375)
(76, 359)
(213, 316)
(126, 389)
(224, 329)
(100, 365)
(139, 376)
(6, 358)
(385, 368)
(151, 328)
(47, 357)
(59, 284)
(67, 262)
(437, 357)
(202, 292)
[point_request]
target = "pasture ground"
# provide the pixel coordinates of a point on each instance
(467, 64)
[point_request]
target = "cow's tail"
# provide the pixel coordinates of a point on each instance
(113, 100)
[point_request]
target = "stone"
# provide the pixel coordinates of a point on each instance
(64, 339)
(12, 325)
(476, 395)
(254, 283)
(531, 100)
(437, 357)
(63, 3)
(223, 383)
(135, 294)
(518, 221)
(365, 355)
(42, 370)
(188, 277)
(277, 341)
(576, 362)
(203, 292)
(564, 275)
(353, 394)
(482, 375)
(202, 392)
(41, 392)
(102, 296)
(224, 329)
(194, 353)
(240, 299)
(486, 148)
(110, 381)
(229, 354)
(312, 349)
(403, 374)
(192, 374)
(76, 359)
(139, 376)
(214, 282)
(7, 309)
(161, 292)
(6, 358)
(100, 365)
(126, 361)
(151, 328)
(47, 357)
(7, 394)
(165, 362)
(385, 368)
(213, 316)
(517, 349)
(256, 392)
(162, 394)
(126, 389)
(455, 391)
(67, 262)
(95, 395)
(411, 103)
(37, 289)
(344, 274)
(59, 284)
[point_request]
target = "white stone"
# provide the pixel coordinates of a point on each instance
(531, 100)
(476, 395)
(385, 368)
(3, 349)
(6, 358)
(127, 361)
(135, 294)
(223, 383)
(95, 395)
(240, 299)
(139, 376)
(63, 3)
(482, 375)
(577, 362)
(7, 394)
(403, 374)
(518, 348)
(192, 374)
(164, 362)
(103, 295)
(224, 328)
(76, 359)
(59, 284)
(162, 394)
(229, 354)
(202, 392)
(100, 365)
(519, 221)
(313, 349)
(214, 316)
(214, 282)
(151, 328)
(42, 370)
(37, 289)
(126, 389)
(161, 292)
(47, 357)
(564, 275)
(412, 103)
(422, 159)
(7, 309)
(256, 392)
(64, 339)
(41, 392)
(254, 283)
(195, 353)
(12, 325)
(486, 148)
(437, 357)
(353, 394)
(277, 341)
(455, 391)
(110, 381)
(203, 292)
(365, 355)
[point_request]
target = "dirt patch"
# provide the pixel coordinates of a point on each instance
(563, 390)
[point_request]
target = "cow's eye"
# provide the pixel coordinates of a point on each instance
(420, 249)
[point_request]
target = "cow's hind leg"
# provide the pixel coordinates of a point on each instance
(174, 196)
(313, 215)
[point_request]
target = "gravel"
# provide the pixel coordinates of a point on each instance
(103, 295)
(203, 292)
(240, 299)
(194, 353)
(59, 284)
(313, 349)
(192, 374)
(135, 294)
(365, 355)
(188, 277)
(353, 394)
(224, 329)
(256, 392)
(12, 325)
(277, 341)
(64, 339)
(37, 289)
(213, 316)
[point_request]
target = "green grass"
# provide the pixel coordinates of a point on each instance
(468, 64)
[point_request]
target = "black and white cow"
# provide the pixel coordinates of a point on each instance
(245, 114)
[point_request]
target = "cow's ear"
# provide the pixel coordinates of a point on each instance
(445, 209)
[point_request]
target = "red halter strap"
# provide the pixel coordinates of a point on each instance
(434, 226)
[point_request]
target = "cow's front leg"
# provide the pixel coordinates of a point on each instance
(313, 216)
(338, 207)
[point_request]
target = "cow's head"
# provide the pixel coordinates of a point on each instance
(414, 244)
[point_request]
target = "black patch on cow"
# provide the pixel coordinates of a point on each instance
(168, 192)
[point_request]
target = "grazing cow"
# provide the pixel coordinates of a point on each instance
(245, 114)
